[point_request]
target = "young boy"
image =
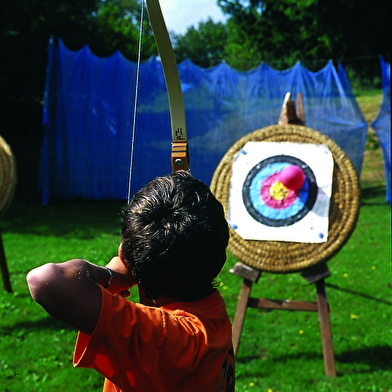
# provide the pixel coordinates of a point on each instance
(174, 239)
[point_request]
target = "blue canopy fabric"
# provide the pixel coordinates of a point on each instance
(382, 124)
(89, 105)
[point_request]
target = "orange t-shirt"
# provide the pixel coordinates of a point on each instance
(182, 346)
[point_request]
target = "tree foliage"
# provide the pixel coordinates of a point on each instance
(118, 25)
(291, 30)
(26, 25)
(204, 46)
(25, 28)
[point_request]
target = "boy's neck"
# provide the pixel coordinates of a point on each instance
(157, 302)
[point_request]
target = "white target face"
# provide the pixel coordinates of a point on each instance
(281, 192)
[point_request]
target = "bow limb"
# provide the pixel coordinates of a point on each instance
(180, 151)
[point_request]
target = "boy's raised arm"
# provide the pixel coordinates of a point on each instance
(70, 291)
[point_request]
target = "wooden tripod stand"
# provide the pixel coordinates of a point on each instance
(315, 275)
(4, 269)
(7, 187)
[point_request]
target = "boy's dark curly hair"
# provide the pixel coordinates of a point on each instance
(174, 237)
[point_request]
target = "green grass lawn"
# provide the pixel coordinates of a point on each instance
(280, 351)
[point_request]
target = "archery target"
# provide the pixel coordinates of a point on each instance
(261, 207)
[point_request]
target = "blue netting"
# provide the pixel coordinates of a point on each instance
(382, 123)
(89, 108)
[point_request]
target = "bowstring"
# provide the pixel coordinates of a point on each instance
(137, 81)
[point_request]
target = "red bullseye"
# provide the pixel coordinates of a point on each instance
(292, 177)
(277, 202)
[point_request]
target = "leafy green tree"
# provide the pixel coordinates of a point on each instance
(262, 31)
(118, 23)
(291, 30)
(204, 45)
(25, 27)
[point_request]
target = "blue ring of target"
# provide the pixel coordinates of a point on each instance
(273, 217)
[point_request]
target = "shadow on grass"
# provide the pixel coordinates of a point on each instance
(357, 293)
(84, 219)
(375, 358)
(309, 356)
(369, 194)
(47, 323)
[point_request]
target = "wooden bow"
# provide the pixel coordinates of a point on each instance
(180, 151)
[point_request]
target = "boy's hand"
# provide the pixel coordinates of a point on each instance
(123, 279)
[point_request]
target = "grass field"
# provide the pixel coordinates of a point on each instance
(279, 351)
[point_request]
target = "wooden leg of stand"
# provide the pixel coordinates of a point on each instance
(240, 312)
(4, 269)
(325, 327)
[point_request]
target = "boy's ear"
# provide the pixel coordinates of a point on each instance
(121, 255)
(126, 263)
